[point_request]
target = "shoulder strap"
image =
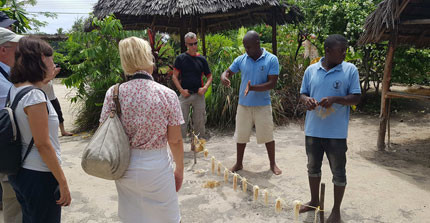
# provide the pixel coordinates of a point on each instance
(19, 96)
(30, 145)
(4, 73)
(7, 98)
(15, 102)
(116, 99)
(28, 150)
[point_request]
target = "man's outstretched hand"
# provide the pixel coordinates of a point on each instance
(225, 81)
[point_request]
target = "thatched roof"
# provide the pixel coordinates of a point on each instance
(217, 15)
(52, 37)
(410, 17)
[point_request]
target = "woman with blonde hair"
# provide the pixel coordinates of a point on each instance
(40, 185)
(151, 116)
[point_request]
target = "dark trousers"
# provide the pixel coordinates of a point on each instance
(335, 149)
(35, 192)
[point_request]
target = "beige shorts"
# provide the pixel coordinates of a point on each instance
(247, 117)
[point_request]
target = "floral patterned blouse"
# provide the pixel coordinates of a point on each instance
(147, 109)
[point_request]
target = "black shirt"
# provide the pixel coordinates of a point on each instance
(192, 69)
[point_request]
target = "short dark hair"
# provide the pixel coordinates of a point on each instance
(333, 40)
(29, 65)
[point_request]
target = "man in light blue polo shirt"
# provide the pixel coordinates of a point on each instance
(328, 89)
(259, 73)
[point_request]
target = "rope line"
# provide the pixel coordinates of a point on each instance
(255, 189)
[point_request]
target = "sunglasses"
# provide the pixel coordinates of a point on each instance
(192, 44)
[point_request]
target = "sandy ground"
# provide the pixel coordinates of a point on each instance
(391, 186)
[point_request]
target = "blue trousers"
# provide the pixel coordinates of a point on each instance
(35, 192)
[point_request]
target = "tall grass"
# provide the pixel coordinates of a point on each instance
(221, 101)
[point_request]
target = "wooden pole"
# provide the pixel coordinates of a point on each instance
(203, 34)
(193, 148)
(194, 26)
(385, 88)
(388, 124)
(322, 196)
(182, 35)
(274, 42)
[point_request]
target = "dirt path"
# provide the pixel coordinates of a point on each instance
(391, 186)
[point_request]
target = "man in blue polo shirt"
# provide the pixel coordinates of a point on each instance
(190, 68)
(328, 89)
(259, 73)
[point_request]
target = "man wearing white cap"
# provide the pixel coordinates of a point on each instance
(8, 43)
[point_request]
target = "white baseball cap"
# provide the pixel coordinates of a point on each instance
(8, 36)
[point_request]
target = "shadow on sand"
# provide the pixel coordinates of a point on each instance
(408, 160)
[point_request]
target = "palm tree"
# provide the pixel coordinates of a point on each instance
(16, 10)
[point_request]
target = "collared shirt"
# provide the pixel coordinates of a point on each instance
(257, 71)
(147, 109)
(318, 83)
(4, 85)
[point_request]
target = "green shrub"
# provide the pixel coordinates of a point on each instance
(411, 66)
(286, 103)
(61, 61)
(94, 61)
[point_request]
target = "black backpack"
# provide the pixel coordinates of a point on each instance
(10, 137)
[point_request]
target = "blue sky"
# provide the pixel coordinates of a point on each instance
(67, 12)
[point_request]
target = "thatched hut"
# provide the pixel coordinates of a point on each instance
(405, 22)
(52, 37)
(199, 16)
